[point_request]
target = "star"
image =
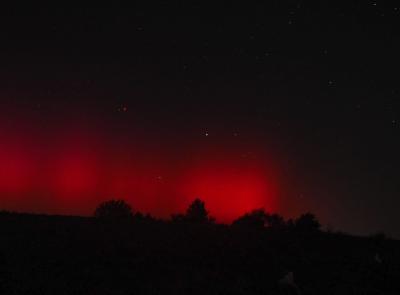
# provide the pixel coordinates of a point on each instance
(122, 109)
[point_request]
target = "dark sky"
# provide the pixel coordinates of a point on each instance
(291, 105)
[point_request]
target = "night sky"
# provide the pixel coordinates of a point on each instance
(288, 105)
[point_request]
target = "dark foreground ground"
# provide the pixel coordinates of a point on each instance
(72, 255)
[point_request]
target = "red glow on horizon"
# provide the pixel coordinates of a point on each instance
(72, 177)
(15, 169)
(231, 186)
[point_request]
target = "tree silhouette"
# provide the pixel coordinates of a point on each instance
(197, 212)
(260, 219)
(114, 209)
(307, 223)
(275, 221)
(178, 217)
(254, 219)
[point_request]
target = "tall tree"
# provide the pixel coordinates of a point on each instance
(197, 212)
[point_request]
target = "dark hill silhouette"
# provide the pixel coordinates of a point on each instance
(42, 254)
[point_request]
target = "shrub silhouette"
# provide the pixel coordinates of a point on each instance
(197, 212)
(260, 219)
(114, 209)
(307, 223)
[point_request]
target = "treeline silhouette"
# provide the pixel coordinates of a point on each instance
(118, 210)
(123, 251)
